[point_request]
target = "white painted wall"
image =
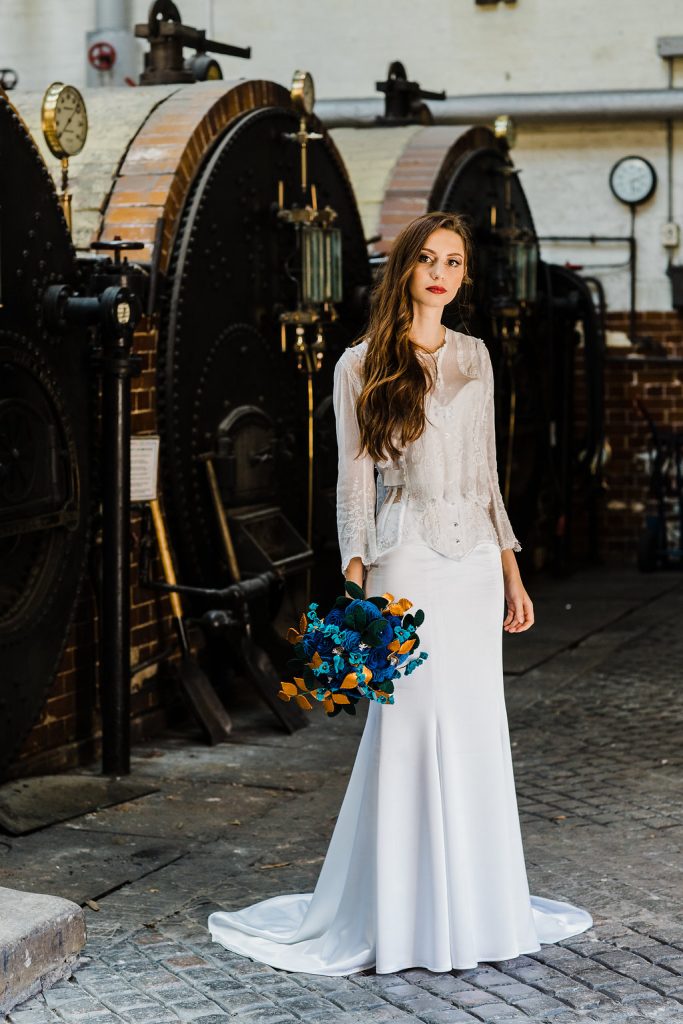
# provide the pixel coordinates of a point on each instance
(528, 46)
(565, 177)
(533, 45)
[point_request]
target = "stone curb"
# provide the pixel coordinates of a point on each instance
(40, 938)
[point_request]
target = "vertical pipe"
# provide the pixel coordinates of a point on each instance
(116, 14)
(115, 674)
(670, 164)
(632, 247)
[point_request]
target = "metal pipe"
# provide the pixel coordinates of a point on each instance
(610, 105)
(113, 14)
(670, 162)
(634, 278)
(633, 255)
(209, 19)
(115, 672)
(154, 659)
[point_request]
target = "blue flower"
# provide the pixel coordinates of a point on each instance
(335, 617)
(310, 644)
(370, 609)
(351, 639)
(325, 646)
(386, 634)
(340, 668)
(376, 660)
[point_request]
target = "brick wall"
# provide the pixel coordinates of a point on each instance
(660, 386)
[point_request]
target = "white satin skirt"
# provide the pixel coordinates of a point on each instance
(425, 867)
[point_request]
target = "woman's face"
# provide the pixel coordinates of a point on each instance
(439, 270)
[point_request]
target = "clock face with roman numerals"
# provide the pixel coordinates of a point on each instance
(65, 121)
(633, 179)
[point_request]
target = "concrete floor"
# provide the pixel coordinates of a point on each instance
(595, 702)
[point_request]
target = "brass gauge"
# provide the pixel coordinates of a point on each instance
(65, 127)
(303, 92)
(64, 120)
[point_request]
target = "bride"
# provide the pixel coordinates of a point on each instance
(425, 867)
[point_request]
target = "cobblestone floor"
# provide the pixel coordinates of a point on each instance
(598, 748)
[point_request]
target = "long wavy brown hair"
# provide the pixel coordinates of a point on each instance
(391, 404)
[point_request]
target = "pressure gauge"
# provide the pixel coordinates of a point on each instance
(64, 120)
(633, 179)
(303, 91)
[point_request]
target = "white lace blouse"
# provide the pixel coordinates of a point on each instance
(443, 489)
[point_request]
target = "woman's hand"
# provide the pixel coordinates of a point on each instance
(355, 570)
(520, 614)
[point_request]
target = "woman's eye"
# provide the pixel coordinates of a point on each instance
(424, 257)
(455, 263)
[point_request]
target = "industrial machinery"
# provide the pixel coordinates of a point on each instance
(252, 276)
(46, 415)
(255, 271)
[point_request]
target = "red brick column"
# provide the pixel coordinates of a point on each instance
(660, 386)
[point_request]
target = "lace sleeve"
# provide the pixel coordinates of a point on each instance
(497, 511)
(356, 491)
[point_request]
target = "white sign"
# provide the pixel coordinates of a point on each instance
(144, 467)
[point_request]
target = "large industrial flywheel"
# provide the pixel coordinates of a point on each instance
(225, 385)
(208, 178)
(478, 182)
(44, 419)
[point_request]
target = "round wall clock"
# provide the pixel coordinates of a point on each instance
(633, 179)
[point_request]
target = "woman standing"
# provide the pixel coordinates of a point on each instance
(425, 867)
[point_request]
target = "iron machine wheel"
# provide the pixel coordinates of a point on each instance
(44, 453)
(225, 386)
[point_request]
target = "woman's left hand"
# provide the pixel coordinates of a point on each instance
(520, 614)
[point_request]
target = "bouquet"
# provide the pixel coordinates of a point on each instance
(354, 652)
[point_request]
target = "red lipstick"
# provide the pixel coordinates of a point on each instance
(437, 289)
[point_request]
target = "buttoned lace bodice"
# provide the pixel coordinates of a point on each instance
(443, 489)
